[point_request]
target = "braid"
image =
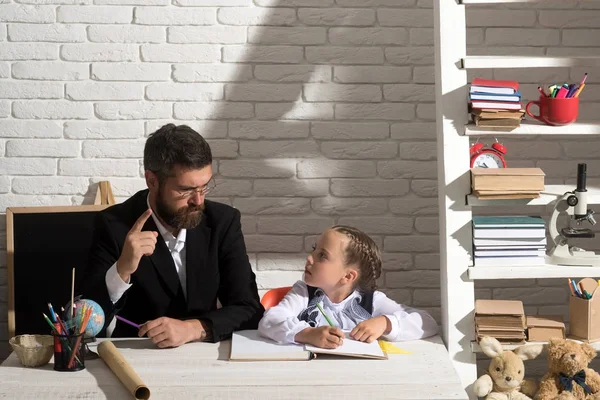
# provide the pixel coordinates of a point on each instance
(363, 251)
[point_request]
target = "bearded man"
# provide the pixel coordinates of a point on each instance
(166, 256)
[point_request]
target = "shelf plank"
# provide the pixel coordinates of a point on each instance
(482, 62)
(498, 1)
(531, 272)
(537, 128)
(475, 348)
(547, 197)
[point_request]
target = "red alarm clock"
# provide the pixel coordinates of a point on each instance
(488, 157)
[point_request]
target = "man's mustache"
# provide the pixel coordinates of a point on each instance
(192, 209)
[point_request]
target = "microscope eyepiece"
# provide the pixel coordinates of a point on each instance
(581, 177)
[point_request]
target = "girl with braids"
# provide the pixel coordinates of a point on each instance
(340, 276)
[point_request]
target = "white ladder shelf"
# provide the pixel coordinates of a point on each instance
(455, 203)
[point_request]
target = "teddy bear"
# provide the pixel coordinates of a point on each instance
(569, 376)
(504, 378)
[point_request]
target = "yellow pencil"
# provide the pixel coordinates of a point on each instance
(579, 90)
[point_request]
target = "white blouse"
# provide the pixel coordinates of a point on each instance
(281, 322)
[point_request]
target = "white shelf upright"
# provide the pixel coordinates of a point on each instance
(457, 290)
(453, 132)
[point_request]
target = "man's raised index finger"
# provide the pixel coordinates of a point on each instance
(139, 224)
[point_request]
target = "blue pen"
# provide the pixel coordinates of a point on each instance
(52, 313)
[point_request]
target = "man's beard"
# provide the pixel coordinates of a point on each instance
(183, 218)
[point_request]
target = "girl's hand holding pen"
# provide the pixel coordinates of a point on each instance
(371, 329)
(325, 337)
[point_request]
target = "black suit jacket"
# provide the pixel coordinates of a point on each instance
(217, 266)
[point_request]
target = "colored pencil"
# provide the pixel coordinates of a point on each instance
(72, 293)
(128, 321)
(325, 315)
(578, 91)
(50, 323)
(78, 341)
(52, 313)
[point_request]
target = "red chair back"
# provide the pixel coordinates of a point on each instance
(274, 296)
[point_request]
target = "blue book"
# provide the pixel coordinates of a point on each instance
(508, 221)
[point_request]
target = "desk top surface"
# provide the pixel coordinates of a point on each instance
(202, 370)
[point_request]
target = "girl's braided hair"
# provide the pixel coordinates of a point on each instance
(363, 252)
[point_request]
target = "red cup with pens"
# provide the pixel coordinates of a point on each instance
(558, 105)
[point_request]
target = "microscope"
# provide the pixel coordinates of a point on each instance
(574, 204)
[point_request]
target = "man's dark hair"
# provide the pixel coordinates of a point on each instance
(175, 145)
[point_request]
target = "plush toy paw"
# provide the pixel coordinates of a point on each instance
(566, 396)
(483, 386)
(529, 387)
(497, 396)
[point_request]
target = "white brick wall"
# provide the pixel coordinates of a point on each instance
(318, 112)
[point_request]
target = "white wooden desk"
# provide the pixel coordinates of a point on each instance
(201, 371)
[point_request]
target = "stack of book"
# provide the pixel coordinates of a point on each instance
(507, 183)
(541, 328)
(496, 104)
(508, 241)
(501, 319)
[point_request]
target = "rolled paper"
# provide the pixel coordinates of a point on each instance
(121, 368)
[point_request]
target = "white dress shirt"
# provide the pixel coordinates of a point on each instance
(281, 322)
(176, 245)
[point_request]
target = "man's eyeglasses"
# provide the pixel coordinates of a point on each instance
(204, 190)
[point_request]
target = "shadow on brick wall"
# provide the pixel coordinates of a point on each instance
(303, 139)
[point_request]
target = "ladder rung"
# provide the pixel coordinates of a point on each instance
(482, 62)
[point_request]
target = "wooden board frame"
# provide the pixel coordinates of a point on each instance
(10, 246)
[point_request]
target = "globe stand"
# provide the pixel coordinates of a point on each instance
(89, 354)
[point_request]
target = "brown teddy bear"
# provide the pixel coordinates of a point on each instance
(504, 378)
(568, 376)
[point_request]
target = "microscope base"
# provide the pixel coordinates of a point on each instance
(569, 255)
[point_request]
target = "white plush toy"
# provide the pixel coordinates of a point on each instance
(504, 378)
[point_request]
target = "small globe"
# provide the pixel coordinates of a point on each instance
(96, 322)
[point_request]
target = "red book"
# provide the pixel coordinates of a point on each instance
(494, 86)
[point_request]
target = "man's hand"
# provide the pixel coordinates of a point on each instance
(137, 244)
(325, 337)
(371, 329)
(169, 332)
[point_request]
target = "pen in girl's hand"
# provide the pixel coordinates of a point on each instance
(325, 315)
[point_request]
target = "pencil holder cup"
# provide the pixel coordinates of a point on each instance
(69, 352)
(555, 111)
(33, 350)
(583, 317)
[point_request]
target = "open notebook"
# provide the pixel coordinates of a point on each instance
(249, 346)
